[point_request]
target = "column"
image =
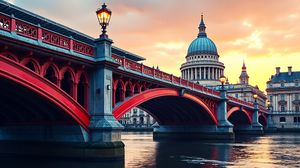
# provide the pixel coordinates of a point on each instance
(204, 73)
(196, 74)
(192, 73)
(104, 128)
(188, 74)
(200, 71)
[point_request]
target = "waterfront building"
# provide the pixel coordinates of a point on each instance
(202, 60)
(244, 91)
(137, 118)
(283, 90)
(203, 66)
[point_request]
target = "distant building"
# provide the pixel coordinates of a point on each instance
(283, 90)
(203, 66)
(202, 60)
(244, 91)
(137, 118)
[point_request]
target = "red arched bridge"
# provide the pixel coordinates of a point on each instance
(59, 84)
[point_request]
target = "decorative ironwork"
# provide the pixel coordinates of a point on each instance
(83, 48)
(26, 29)
(5, 23)
(55, 39)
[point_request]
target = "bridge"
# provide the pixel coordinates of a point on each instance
(60, 85)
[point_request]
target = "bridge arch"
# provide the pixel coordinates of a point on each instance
(239, 116)
(167, 106)
(15, 76)
(262, 119)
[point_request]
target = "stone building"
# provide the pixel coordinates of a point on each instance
(137, 118)
(202, 60)
(283, 90)
(244, 91)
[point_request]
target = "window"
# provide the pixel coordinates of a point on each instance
(271, 98)
(297, 96)
(282, 119)
(282, 85)
(237, 95)
(296, 119)
(282, 108)
(297, 108)
(282, 97)
(297, 84)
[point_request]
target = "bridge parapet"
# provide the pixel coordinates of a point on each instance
(36, 32)
(152, 72)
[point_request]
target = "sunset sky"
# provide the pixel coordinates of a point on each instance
(264, 33)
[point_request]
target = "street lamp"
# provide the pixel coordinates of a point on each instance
(255, 97)
(103, 16)
(268, 103)
(222, 80)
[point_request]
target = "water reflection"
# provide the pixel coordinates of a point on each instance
(278, 150)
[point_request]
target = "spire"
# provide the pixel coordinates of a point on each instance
(202, 28)
(244, 66)
(244, 77)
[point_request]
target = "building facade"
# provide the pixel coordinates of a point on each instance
(137, 118)
(202, 60)
(244, 91)
(283, 91)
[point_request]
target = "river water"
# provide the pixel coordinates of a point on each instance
(268, 151)
(141, 151)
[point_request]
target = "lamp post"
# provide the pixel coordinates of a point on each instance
(255, 122)
(103, 15)
(223, 80)
(222, 106)
(270, 123)
(103, 125)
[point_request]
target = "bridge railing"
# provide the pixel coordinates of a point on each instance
(153, 72)
(49, 37)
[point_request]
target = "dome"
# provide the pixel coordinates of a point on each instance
(202, 45)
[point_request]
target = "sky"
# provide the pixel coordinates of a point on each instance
(263, 33)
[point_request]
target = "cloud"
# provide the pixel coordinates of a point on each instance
(162, 30)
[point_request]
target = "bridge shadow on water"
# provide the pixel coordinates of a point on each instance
(142, 151)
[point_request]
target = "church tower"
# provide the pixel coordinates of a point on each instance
(244, 77)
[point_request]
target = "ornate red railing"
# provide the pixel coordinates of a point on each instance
(26, 30)
(55, 39)
(35, 32)
(83, 48)
(5, 23)
(135, 66)
(239, 101)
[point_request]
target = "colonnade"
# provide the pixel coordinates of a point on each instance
(202, 73)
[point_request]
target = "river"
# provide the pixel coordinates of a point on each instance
(268, 151)
(141, 151)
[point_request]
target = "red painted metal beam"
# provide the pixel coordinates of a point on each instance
(138, 99)
(236, 109)
(36, 83)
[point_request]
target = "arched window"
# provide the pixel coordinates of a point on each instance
(82, 90)
(30, 66)
(118, 92)
(128, 92)
(50, 75)
(67, 83)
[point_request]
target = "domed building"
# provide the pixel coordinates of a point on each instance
(202, 60)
